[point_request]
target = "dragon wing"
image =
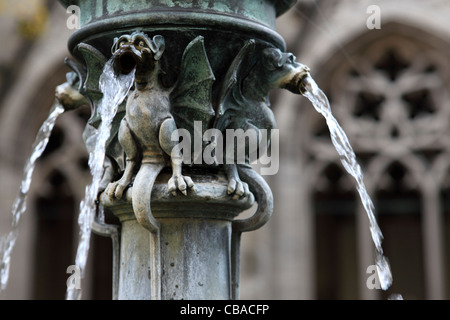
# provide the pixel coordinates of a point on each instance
(79, 70)
(191, 96)
(95, 62)
(233, 79)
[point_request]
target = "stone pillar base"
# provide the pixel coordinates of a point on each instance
(195, 240)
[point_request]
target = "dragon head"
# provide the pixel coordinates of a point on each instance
(137, 51)
(283, 71)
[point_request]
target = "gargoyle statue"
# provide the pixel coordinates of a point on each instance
(148, 132)
(244, 98)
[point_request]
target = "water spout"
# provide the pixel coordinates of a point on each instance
(114, 88)
(126, 58)
(310, 90)
(137, 52)
(19, 207)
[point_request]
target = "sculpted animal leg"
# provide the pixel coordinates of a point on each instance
(236, 186)
(126, 140)
(108, 174)
(169, 142)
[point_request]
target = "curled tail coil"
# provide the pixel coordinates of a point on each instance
(142, 192)
(263, 196)
(141, 196)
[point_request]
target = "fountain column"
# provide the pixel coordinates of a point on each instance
(195, 239)
(187, 245)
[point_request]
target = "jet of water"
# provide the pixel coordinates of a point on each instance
(348, 159)
(114, 88)
(8, 241)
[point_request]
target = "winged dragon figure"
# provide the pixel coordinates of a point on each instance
(148, 131)
(243, 101)
(142, 141)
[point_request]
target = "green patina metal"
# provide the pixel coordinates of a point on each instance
(102, 20)
(262, 11)
(195, 60)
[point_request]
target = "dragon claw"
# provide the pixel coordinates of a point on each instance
(238, 189)
(181, 183)
(115, 190)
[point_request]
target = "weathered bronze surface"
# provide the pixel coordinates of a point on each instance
(207, 62)
(225, 20)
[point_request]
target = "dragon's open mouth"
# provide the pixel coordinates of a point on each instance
(126, 62)
(126, 59)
